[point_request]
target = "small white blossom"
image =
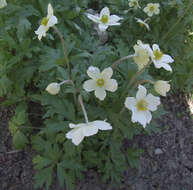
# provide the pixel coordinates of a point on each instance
(105, 20)
(142, 105)
(161, 60)
(46, 23)
(134, 3)
(3, 3)
(142, 54)
(152, 8)
(53, 88)
(142, 23)
(81, 130)
(162, 87)
(100, 82)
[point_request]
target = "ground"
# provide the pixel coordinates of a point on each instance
(166, 164)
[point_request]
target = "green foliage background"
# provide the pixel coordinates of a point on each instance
(27, 66)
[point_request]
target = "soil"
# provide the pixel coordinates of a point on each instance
(166, 164)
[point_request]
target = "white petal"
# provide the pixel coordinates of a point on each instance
(89, 129)
(153, 102)
(41, 31)
(89, 85)
(150, 14)
(143, 117)
(111, 85)
(105, 11)
(141, 93)
(102, 125)
(50, 11)
(148, 116)
(100, 93)
(146, 9)
(52, 21)
(130, 103)
(159, 65)
(77, 136)
(93, 72)
(107, 73)
(102, 27)
(71, 125)
(94, 18)
(113, 20)
(155, 47)
(167, 59)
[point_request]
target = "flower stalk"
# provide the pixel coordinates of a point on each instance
(64, 48)
(120, 60)
(83, 108)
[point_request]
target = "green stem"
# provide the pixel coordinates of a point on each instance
(67, 60)
(64, 49)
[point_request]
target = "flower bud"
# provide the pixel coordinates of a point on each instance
(141, 54)
(161, 87)
(53, 88)
(3, 3)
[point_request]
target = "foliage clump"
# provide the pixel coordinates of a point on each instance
(28, 66)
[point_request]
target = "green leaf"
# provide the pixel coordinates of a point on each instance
(19, 140)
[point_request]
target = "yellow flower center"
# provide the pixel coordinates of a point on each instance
(142, 105)
(100, 82)
(104, 19)
(44, 21)
(158, 54)
(141, 24)
(152, 8)
(135, 4)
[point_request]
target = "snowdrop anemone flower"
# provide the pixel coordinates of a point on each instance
(3, 3)
(134, 3)
(162, 87)
(142, 105)
(46, 23)
(142, 54)
(152, 8)
(104, 20)
(161, 60)
(81, 130)
(100, 82)
(142, 23)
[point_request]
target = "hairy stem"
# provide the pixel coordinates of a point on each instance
(120, 60)
(83, 108)
(67, 60)
(64, 48)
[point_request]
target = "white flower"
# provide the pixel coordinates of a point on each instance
(105, 19)
(100, 82)
(79, 131)
(53, 88)
(152, 8)
(142, 105)
(143, 23)
(3, 3)
(142, 54)
(134, 3)
(161, 87)
(161, 60)
(46, 23)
